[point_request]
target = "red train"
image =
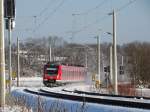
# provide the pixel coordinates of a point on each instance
(54, 72)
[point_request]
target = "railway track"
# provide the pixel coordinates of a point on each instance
(62, 83)
(98, 99)
(109, 95)
(57, 84)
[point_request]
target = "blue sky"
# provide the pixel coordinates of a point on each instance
(38, 18)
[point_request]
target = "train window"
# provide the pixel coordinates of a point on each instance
(52, 70)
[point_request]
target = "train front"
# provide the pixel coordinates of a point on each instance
(51, 73)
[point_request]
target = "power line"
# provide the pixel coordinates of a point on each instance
(103, 18)
(89, 25)
(83, 13)
(36, 16)
(86, 13)
(47, 7)
(50, 15)
(40, 14)
(96, 7)
(24, 17)
(49, 4)
(126, 5)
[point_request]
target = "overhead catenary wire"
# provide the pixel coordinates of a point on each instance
(89, 25)
(86, 12)
(94, 8)
(126, 5)
(50, 15)
(104, 17)
(47, 7)
(49, 4)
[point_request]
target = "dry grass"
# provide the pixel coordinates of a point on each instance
(42, 106)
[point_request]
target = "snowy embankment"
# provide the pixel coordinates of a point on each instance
(144, 92)
(46, 103)
(37, 102)
(29, 82)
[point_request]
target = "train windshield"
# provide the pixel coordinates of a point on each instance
(52, 70)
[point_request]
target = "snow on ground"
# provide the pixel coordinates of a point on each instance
(71, 106)
(10, 109)
(15, 109)
(29, 82)
(144, 92)
(36, 82)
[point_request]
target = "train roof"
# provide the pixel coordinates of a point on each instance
(65, 64)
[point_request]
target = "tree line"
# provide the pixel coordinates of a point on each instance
(34, 53)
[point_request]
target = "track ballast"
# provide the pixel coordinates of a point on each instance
(99, 99)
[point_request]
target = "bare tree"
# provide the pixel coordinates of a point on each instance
(138, 61)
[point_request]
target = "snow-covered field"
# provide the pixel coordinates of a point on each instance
(29, 82)
(70, 106)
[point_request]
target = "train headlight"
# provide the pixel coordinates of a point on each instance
(45, 79)
(57, 76)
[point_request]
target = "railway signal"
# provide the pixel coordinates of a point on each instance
(107, 69)
(9, 15)
(121, 70)
(9, 8)
(12, 26)
(107, 75)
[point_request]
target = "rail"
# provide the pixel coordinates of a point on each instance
(89, 99)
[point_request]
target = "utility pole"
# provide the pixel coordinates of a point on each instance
(9, 41)
(73, 26)
(50, 50)
(18, 63)
(50, 53)
(115, 55)
(2, 56)
(111, 64)
(122, 68)
(98, 58)
(86, 63)
(35, 20)
(86, 60)
(122, 60)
